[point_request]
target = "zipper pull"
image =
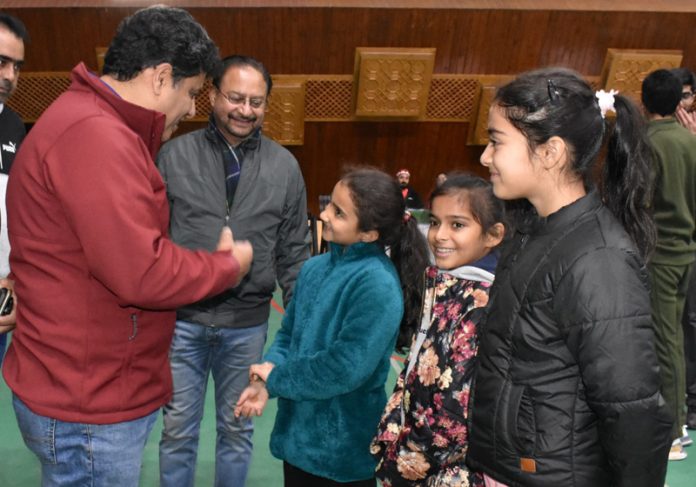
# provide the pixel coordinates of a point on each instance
(134, 321)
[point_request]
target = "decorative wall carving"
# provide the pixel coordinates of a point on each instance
(392, 82)
(284, 120)
(625, 69)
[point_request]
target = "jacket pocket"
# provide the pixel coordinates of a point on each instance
(522, 427)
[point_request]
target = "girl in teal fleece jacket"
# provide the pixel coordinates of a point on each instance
(330, 359)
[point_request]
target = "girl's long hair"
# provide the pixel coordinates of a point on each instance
(380, 206)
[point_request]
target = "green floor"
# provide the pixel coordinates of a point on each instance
(19, 468)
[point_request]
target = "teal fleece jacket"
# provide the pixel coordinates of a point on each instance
(331, 359)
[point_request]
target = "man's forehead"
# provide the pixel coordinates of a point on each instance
(11, 46)
(244, 78)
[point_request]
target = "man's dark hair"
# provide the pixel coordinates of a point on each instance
(661, 92)
(238, 61)
(685, 76)
(14, 25)
(156, 35)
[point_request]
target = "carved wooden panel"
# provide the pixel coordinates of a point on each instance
(392, 82)
(625, 69)
(284, 121)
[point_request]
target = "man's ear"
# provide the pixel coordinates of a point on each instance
(213, 95)
(370, 236)
(162, 75)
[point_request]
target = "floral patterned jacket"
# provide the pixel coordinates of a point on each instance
(422, 437)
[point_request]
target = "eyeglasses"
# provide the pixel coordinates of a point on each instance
(241, 100)
(687, 94)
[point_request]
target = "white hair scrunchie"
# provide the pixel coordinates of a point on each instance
(605, 99)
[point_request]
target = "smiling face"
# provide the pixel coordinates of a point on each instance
(239, 105)
(11, 61)
(514, 171)
(454, 236)
(340, 219)
(178, 102)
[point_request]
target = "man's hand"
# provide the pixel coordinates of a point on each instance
(687, 119)
(252, 401)
(241, 251)
(8, 322)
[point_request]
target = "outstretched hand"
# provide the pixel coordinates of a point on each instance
(252, 401)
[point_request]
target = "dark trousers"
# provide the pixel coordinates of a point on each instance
(689, 326)
(668, 292)
(294, 477)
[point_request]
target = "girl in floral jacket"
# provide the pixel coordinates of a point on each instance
(422, 437)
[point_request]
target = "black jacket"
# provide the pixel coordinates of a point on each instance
(567, 389)
(269, 210)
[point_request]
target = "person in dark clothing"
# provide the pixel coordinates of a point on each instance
(687, 118)
(674, 206)
(13, 36)
(685, 111)
(412, 199)
(228, 174)
(568, 389)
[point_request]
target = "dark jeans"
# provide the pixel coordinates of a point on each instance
(294, 477)
(689, 326)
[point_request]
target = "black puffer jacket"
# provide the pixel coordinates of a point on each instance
(567, 389)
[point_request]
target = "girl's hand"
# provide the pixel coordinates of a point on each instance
(252, 401)
(261, 371)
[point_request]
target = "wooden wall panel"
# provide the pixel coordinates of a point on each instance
(321, 40)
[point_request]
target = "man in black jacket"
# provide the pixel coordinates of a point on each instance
(412, 199)
(228, 174)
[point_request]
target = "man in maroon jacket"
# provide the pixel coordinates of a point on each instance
(95, 272)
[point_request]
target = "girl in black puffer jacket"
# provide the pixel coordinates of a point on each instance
(567, 390)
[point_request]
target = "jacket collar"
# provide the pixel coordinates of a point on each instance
(341, 253)
(147, 124)
(568, 215)
(471, 272)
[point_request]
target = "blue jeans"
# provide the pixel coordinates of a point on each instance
(77, 454)
(196, 351)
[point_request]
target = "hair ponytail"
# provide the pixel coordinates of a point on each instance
(628, 176)
(410, 257)
(380, 206)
